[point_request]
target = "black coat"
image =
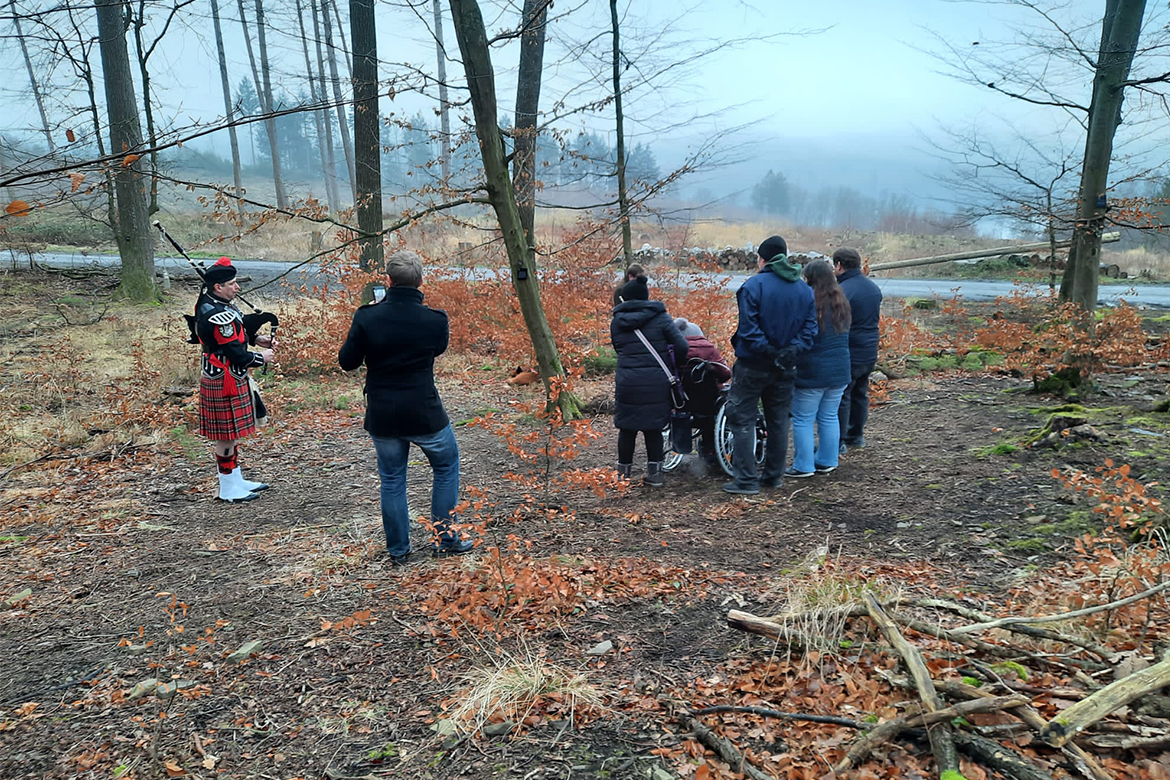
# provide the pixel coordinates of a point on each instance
(398, 339)
(642, 389)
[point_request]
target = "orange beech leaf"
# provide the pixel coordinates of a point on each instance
(76, 179)
(18, 208)
(129, 160)
(174, 770)
(70, 136)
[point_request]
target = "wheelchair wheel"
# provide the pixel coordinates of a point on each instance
(725, 440)
(671, 458)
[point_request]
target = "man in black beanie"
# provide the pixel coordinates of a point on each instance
(226, 411)
(777, 321)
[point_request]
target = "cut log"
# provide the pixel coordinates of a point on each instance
(745, 621)
(1088, 711)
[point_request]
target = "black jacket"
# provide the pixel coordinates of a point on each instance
(642, 389)
(865, 301)
(398, 339)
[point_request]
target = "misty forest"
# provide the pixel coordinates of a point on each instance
(978, 587)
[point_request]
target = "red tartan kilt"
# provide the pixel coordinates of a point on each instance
(224, 415)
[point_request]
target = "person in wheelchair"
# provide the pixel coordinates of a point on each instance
(703, 376)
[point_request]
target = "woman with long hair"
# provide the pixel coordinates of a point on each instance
(822, 373)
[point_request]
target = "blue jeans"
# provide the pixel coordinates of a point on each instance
(750, 386)
(442, 451)
(815, 405)
(854, 409)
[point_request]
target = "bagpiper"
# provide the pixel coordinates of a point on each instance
(227, 406)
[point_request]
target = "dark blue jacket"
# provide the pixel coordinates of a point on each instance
(398, 340)
(773, 314)
(865, 300)
(826, 364)
(642, 391)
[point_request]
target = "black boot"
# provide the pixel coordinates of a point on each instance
(653, 476)
(624, 470)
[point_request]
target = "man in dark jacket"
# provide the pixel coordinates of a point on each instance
(865, 301)
(398, 339)
(777, 321)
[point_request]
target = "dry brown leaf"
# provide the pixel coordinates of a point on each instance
(18, 208)
(129, 160)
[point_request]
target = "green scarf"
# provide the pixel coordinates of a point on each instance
(781, 266)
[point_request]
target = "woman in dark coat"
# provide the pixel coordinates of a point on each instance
(642, 395)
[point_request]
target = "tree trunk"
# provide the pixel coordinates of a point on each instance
(270, 123)
(32, 78)
(325, 114)
(1120, 29)
(444, 108)
(318, 125)
(477, 64)
(144, 72)
(623, 203)
(533, 23)
(366, 127)
(228, 108)
(132, 230)
(342, 120)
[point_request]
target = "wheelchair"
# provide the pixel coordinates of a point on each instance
(706, 396)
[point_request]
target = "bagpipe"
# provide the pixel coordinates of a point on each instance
(252, 322)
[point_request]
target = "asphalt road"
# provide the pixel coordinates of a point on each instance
(261, 271)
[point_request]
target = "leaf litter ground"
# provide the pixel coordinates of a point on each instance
(136, 574)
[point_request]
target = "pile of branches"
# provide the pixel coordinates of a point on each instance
(992, 664)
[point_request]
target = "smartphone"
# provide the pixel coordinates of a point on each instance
(379, 293)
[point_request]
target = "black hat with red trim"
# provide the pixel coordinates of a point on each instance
(222, 271)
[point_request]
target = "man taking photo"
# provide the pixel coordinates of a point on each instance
(398, 339)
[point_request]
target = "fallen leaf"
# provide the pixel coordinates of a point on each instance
(174, 770)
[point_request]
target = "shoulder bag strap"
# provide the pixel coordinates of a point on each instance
(669, 374)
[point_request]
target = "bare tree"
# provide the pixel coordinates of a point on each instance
(366, 129)
(346, 144)
(481, 83)
(133, 227)
(326, 118)
(229, 110)
(144, 50)
(264, 95)
(32, 78)
(444, 107)
(326, 171)
(619, 127)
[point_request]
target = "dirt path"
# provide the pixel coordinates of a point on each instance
(146, 552)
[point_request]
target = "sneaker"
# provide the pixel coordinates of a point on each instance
(400, 560)
(844, 449)
(826, 469)
(453, 548)
(856, 444)
(792, 473)
(772, 482)
(739, 490)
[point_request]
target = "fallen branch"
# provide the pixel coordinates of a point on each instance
(1026, 630)
(767, 713)
(941, 743)
(886, 731)
(724, 748)
(1088, 711)
(994, 755)
(745, 621)
(1007, 621)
